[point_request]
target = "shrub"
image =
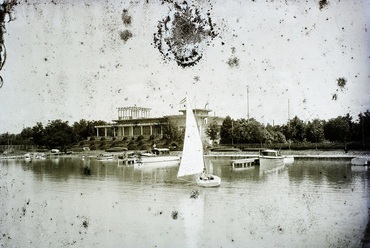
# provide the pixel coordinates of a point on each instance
(92, 138)
(140, 137)
(131, 146)
(144, 147)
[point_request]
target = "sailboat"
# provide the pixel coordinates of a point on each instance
(192, 161)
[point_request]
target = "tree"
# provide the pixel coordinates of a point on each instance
(295, 130)
(362, 129)
(38, 134)
(226, 131)
(275, 135)
(337, 129)
(315, 131)
(212, 131)
(249, 131)
(171, 132)
(59, 134)
(26, 133)
(84, 129)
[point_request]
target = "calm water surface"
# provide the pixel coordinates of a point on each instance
(50, 203)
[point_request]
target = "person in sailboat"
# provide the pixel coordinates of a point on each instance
(205, 176)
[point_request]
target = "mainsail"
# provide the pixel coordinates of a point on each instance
(192, 154)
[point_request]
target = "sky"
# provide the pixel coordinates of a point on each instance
(75, 59)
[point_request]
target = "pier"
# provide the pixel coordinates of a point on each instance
(245, 163)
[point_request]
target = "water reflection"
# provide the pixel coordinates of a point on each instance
(52, 203)
(323, 172)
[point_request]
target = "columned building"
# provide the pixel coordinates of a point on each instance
(136, 121)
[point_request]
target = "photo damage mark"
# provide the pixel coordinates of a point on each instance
(341, 83)
(323, 4)
(126, 19)
(125, 35)
(233, 62)
(6, 11)
(183, 34)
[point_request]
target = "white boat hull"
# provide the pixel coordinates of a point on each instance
(288, 159)
(207, 183)
(157, 161)
(364, 160)
(269, 163)
(105, 157)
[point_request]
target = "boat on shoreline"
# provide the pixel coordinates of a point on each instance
(157, 157)
(271, 158)
(105, 157)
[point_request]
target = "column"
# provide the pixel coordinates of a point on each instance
(97, 132)
(105, 132)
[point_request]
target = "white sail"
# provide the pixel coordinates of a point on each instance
(192, 154)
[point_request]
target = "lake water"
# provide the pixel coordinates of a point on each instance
(51, 203)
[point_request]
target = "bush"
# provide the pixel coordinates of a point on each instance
(140, 137)
(93, 147)
(152, 137)
(141, 143)
(92, 138)
(124, 138)
(143, 147)
(131, 146)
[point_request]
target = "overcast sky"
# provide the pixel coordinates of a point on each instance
(68, 60)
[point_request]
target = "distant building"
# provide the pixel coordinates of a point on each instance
(136, 121)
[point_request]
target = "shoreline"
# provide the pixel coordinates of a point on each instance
(299, 154)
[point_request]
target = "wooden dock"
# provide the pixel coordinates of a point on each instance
(246, 163)
(125, 161)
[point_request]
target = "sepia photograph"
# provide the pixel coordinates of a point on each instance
(197, 123)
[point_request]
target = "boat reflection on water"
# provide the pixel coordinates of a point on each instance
(191, 212)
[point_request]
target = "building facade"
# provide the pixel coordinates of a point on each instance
(136, 121)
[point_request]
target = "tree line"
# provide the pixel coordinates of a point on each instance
(56, 134)
(342, 129)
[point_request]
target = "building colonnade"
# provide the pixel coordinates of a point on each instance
(122, 130)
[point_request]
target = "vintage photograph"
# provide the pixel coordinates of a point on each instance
(200, 123)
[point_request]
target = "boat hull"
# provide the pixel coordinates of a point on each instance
(364, 160)
(288, 159)
(160, 161)
(105, 157)
(269, 163)
(214, 182)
